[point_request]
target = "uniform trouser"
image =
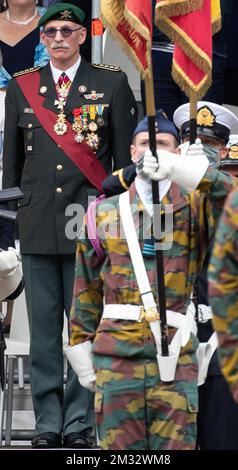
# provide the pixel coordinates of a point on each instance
(49, 288)
(217, 417)
(135, 410)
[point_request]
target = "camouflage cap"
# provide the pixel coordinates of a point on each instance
(63, 12)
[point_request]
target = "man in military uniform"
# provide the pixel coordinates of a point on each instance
(135, 408)
(218, 413)
(223, 289)
(213, 126)
(66, 125)
(222, 275)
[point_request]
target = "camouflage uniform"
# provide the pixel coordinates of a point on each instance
(223, 290)
(134, 409)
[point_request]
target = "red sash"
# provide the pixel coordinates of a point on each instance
(80, 153)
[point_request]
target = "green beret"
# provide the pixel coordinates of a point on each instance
(63, 12)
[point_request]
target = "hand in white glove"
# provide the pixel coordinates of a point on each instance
(185, 170)
(80, 358)
(193, 149)
(8, 262)
(196, 148)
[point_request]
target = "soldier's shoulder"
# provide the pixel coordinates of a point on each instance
(107, 67)
(24, 72)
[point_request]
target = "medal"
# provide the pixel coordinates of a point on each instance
(93, 141)
(100, 121)
(60, 126)
(92, 126)
(77, 125)
(79, 138)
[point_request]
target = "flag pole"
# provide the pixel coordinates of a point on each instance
(97, 34)
(150, 110)
(193, 118)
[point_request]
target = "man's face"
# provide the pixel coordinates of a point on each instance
(217, 144)
(64, 51)
(164, 141)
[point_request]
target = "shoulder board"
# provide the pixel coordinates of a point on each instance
(23, 72)
(111, 68)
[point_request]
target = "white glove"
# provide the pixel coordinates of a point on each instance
(8, 262)
(185, 170)
(193, 149)
(80, 358)
(196, 149)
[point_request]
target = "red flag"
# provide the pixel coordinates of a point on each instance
(130, 21)
(189, 25)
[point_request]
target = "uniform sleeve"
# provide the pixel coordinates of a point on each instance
(119, 181)
(13, 149)
(223, 290)
(87, 304)
(123, 121)
(216, 185)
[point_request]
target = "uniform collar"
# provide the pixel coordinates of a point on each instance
(71, 72)
(171, 195)
(144, 191)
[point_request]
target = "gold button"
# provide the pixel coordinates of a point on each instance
(29, 125)
(59, 167)
(59, 190)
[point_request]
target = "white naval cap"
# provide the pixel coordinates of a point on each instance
(233, 140)
(231, 158)
(213, 120)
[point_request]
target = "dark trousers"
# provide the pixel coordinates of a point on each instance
(168, 95)
(49, 288)
(217, 417)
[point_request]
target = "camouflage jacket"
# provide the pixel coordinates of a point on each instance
(113, 280)
(223, 290)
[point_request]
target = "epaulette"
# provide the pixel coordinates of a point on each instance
(111, 68)
(22, 72)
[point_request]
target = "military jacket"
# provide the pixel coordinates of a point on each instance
(223, 290)
(47, 176)
(113, 280)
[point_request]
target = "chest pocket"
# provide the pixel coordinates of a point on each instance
(31, 131)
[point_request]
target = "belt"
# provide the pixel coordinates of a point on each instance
(137, 313)
(204, 313)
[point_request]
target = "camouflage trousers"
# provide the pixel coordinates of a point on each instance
(135, 410)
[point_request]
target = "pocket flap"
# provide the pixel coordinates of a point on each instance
(192, 401)
(28, 121)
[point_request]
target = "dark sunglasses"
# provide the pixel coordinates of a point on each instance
(64, 31)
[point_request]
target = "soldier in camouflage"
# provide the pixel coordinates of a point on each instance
(134, 408)
(223, 279)
(216, 417)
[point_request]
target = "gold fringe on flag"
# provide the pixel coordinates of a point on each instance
(114, 14)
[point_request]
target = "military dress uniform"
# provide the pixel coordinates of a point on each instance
(51, 182)
(134, 409)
